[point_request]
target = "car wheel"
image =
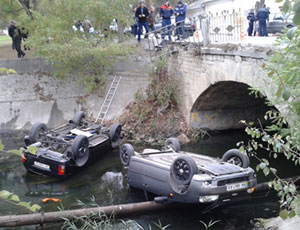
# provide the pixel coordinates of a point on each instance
(78, 118)
(80, 150)
(37, 132)
(126, 152)
(172, 143)
(115, 135)
(289, 26)
(234, 156)
(183, 169)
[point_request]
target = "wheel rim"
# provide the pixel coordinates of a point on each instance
(182, 170)
(124, 155)
(235, 161)
(82, 150)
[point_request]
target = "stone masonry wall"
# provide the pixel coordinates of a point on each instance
(196, 70)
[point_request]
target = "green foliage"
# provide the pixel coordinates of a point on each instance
(154, 115)
(18, 152)
(1, 146)
(160, 226)
(283, 135)
(5, 71)
(84, 56)
(210, 224)
(97, 221)
(15, 200)
(163, 88)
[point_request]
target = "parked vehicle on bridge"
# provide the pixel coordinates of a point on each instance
(178, 176)
(277, 23)
(64, 150)
(189, 27)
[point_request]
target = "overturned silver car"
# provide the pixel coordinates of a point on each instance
(177, 176)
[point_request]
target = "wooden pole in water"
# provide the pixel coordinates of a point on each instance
(122, 210)
(54, 217)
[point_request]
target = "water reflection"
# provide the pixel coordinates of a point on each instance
(105, 180)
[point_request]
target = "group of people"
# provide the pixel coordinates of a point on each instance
(262, 16)
(146, 19)
(17, 35)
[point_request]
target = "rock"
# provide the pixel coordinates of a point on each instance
(139, 59)
(279, 224)
(183, 139)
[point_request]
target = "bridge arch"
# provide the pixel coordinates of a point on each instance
(224, 104)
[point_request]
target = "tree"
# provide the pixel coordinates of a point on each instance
(85, 56)
(283, 135)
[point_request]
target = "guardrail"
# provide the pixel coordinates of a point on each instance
(180, 33)
(226, 26)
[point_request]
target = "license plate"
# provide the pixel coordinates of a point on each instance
(237, 186)
(41, 165)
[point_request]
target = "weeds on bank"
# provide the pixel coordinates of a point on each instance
(208, 225)
(100, 221)
(155, 115)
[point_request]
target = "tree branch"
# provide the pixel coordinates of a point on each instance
(28, 12)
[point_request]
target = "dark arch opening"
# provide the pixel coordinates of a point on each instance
(224, 104)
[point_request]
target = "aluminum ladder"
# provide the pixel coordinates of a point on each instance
(108, 99)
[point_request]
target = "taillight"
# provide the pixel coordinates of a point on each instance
(61, 170)
(24, 158)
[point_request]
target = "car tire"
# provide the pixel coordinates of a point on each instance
(234, 156)
(80, 150)
(36, 132)
(126, 152)
(172, 143)
(78, 117)
(183, 169)
(115, 135)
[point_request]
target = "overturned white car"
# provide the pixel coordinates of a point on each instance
(177, 176)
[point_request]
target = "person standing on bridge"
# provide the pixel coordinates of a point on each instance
(151, 21)
(16, 36)
(142, 13)
(180, 14)
(262, 16)
(166, 11)
(251, 19)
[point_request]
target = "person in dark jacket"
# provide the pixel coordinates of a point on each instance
(166, 11)
(16, 34)
(251, 19)
(142, 13)
(262, 16)
(11, 31)
(180, 14)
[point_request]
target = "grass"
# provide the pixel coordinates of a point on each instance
(4, 40)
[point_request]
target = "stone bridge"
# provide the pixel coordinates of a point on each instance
(215, 82)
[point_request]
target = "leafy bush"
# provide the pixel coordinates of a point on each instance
(163, 88)
(88, 57)
(283, 135)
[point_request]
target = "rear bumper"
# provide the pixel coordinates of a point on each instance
(54, 162)
(37, 165)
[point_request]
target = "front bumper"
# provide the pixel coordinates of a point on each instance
(199, 190)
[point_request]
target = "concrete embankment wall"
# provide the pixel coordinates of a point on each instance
(33, 95)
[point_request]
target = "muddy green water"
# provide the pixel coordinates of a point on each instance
(104, 180)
